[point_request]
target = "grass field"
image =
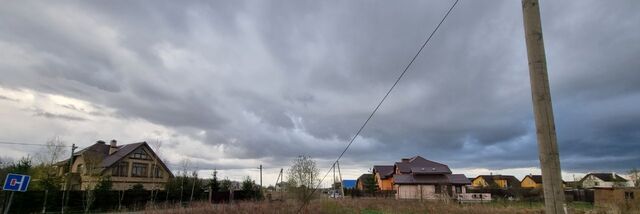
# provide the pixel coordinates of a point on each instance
(379, 206)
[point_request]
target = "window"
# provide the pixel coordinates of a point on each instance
(140, 154)
(458, 189)
(628, 195)
(121, 169)
(80, 169)
(157, 171)
(438, 189)
(139, 170)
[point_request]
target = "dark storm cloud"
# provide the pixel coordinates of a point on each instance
(273, 80)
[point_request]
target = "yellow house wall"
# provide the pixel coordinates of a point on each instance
(479, 182)
(527, 182)
(502, 183)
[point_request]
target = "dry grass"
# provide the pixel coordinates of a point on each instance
(368, 206)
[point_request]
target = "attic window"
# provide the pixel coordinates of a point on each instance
(140, 154)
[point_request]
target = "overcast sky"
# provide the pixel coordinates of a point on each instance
(233, 84)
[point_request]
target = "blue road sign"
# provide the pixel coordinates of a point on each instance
(16, 182)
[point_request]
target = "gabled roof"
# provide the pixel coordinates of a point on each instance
(491, 179)
(420, 179)
(458, 179)
(364, 176)
(607, 177)
(431, 179)
(122, 152)
(535, 178)
(384, 171)
(419, 165)
(101, 149)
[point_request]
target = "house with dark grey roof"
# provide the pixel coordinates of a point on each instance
(383, 176)
(604, 180)
(126, 165)
(531, 181)
(419, 178)
(495, 181)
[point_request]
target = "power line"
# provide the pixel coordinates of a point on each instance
(380, 103)
(31, 144)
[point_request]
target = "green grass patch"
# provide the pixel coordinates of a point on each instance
(370, 211)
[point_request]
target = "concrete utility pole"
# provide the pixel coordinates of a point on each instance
(541, 95)
(341, 181)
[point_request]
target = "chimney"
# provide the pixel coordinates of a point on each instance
(114, 147)
(100, 142)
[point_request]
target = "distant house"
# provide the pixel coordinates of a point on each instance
(496, 181)
(361, 182)
(604, 180)
(126, 165)
(384, 177)
(615, 195)
(531, 181)
(534, 181)
(419, 178)
(349, 184)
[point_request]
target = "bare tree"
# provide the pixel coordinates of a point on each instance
(634, 174)
(186, 166)
(54, 150)
(92, 172)
(157, 148)
(303, 177)
(193, 185)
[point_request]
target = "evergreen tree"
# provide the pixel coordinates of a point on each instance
(370, 184)
(225, 184)
(214, 183)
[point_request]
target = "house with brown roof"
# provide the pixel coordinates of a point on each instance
(383, 176)
(125, 165)
(604, 180)
(495, 181)
(419, 178)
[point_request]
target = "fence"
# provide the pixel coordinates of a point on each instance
(378, 194)
(33, 201)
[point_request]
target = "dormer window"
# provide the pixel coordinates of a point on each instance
(140, 154)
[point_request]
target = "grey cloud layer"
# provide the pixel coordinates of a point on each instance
(276, 79)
